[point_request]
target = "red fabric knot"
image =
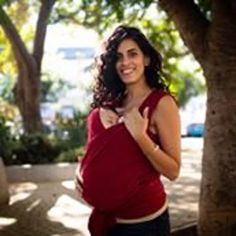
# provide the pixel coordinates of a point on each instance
(100, 223)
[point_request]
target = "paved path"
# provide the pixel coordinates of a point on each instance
(53, 209)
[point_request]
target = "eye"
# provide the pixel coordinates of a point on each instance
(133, 54)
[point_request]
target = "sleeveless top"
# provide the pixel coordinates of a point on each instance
(152, 196)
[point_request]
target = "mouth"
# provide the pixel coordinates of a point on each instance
(126, 72)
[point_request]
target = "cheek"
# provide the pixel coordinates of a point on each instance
(141, 65)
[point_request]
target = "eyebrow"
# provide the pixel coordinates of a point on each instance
(129, 50)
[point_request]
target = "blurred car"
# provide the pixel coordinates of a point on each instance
(195, 130)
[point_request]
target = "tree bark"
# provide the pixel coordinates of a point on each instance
(41, 28)
(4, 193)
(27, 92)
(217, 206)
(217, 209)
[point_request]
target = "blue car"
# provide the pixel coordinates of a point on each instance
(195, 130)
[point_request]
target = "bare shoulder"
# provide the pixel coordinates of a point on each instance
(166, 115)
(166, 106)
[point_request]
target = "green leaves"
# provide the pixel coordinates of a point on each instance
(5, 2)
(19, 14)
(6, 87)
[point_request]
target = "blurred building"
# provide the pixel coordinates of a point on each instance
(69, 55)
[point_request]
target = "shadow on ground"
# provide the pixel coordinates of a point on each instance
(184, 192)
(43, 210)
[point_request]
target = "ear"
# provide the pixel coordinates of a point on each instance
(147, 61)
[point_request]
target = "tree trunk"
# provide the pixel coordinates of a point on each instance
(4, 193)
(217, 209)
(213, 45)
(217, 214)
(27, 89)
(28, 98)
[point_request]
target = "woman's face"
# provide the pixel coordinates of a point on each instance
(131, 62)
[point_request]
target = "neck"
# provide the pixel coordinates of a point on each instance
(136, 91)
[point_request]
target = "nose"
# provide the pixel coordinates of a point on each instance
(125, 60)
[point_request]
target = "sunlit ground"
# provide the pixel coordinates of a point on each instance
(67, 208)
(44, 209)
(53, 208)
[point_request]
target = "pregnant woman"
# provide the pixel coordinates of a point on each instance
(133, 139)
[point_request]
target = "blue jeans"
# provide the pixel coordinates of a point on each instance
(159, 226)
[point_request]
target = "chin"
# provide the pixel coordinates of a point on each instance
(127, 83)
(128, 80)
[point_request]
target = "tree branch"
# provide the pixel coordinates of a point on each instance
(41, 28)
(19, 49)
(191, 23)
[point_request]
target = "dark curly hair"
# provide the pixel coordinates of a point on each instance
(109, 88)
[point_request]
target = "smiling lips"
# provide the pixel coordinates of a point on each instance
(126, 72)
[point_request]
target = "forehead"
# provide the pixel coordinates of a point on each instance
(126, 45)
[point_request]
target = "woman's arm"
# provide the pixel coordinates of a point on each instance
(166, 159)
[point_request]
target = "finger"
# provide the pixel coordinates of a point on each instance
(121, 119)
(145, 112)
(120, 110)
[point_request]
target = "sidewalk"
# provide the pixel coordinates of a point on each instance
(53, 208)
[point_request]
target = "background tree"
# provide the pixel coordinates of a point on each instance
(210, 34)
(8, 67)
(28, 64)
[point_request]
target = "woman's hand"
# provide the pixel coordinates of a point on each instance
(136, 123)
